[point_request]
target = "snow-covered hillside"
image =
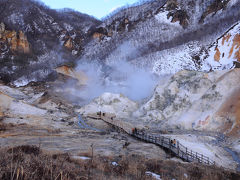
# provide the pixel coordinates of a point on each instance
(35, 39)
(225, 51)
(162, 36)
(165, 36)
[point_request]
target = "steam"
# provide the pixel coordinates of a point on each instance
(119, 77)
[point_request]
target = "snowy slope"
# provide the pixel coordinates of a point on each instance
(225, 51)
(165, 36)
(54, 37)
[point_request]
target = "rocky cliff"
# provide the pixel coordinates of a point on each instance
(16, 41)
(38, 39)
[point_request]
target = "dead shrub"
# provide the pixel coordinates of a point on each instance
(30, 162)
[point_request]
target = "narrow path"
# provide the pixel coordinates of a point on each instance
(171, 145)
(82, 124)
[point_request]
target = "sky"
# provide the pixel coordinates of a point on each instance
(96, 8)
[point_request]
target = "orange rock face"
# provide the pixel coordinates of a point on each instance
(236, 42)
(217, 55)
(17, 40)
(98, 36)
(69, 44)
(236, 45)
(226, 38)
(231, 110)
(68, 71)
(22, 43)
(65, 70)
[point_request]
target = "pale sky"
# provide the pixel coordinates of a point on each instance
(96, 8)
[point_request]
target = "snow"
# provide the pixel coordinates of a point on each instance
(162, 18)
(74, 52)
(81, 157)
(16, 18)
(84, 157)
(114, 164)
(28, 28)
(173, 60)
(61, 36)
(237, 147)
(21, 82)
(185, 175)
(68, 27)
(232, 2)
(156, 176)
(226, 60)
(74, 36)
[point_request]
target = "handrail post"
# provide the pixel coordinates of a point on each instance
(186, 154)
(178, 148)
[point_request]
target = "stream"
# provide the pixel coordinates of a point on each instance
(234, 156)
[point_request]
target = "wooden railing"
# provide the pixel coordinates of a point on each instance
(176, 149)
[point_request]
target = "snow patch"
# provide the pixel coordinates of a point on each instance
(156, 176)
(81, 157)
(16, 18)
(162, 18)
(114, 164)
(21, 82)
(68, 27)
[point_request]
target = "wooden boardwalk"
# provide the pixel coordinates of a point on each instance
(176, 149)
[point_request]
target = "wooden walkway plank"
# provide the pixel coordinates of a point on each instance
(176, 148)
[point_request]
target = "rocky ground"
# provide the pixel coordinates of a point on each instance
(33, 115)
(42, 115)
(198, 109)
